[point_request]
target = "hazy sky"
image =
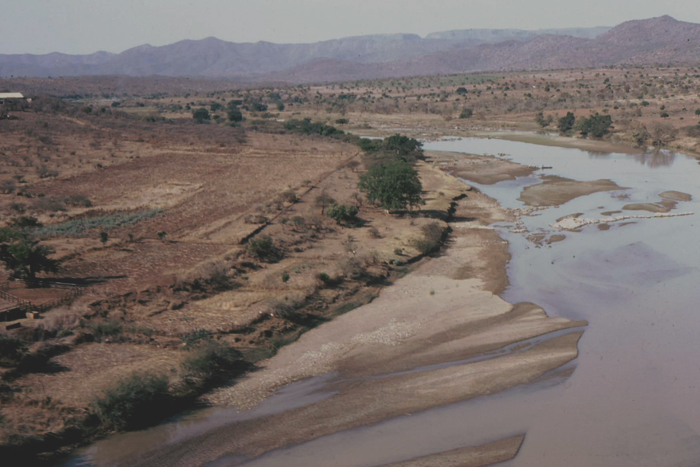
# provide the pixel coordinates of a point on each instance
(85, 26)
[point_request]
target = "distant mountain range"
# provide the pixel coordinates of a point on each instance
(660, 40)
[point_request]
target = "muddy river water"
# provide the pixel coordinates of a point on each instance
(633, 397)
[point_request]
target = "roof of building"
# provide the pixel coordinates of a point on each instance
(11, 95)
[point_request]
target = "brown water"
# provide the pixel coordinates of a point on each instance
(633, 398)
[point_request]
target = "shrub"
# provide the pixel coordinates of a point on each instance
(44, 172)
(289, 196)
(324, 200)
(432, 238)
(374, 233)
(105, 329)
(134, 402)
(566, 123)
(12, 351)
(235, 115)
(466, 113)
(79, 200)
(342, 121)
(596, 125)
(264, 249)
(342, 213)
(194, 338)
(8, 186)
(201, 115)
(210, 362)
(25, 222)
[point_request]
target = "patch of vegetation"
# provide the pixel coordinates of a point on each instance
(201, 115)
(210, 363)
(264, 249)
(12, 351)
(342, 213)
(567, 122)
(393, 186)
(595, 125)
(432, 238)
(307, 127)
(134, 402)
(80, 226)
(23, 256)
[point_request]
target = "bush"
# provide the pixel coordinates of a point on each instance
(567, 122)
(105, 329)
(12, 351)
(342, 121)
(342, 213)
(209, 363)
(432, 238)
(201, 115)
(264, 249)
(235, 115)
(194, 338)
(134, 402)
(596, 125)
(327, 280)
(466, 113)
(8, 186)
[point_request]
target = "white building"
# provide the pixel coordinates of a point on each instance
(10, 96)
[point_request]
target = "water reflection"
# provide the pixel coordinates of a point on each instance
(651, 158)
(656, 158)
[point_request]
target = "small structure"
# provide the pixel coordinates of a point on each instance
(10, 96)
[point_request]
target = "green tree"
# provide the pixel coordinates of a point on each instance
(566, 123)
(234, 114)
(201, 115)
(342, 213)
(403, 147)
(280, 106)
(394, 185)
(462, 90)
(466, 113)
(104, 237)
(540, 120)
(697, 111)
(596, 125)
(24, 257)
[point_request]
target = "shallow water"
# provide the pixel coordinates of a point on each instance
(632, 400)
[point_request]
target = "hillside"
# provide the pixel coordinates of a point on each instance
(653, 41)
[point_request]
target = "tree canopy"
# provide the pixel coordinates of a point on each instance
(595, 125)
(201, 115)
(24, 257)
(394, 185)
(566, 123)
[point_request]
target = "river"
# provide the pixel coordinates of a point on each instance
(632, 399)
